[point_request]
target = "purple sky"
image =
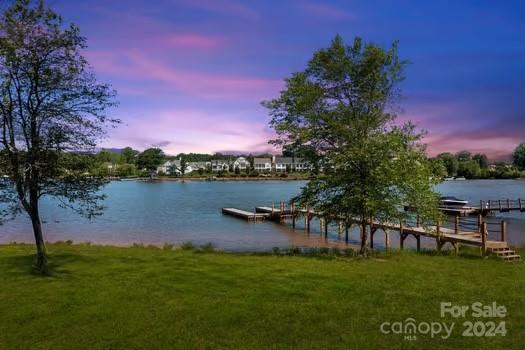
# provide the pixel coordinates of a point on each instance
(191, 74)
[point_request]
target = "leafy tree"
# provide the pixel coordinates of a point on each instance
(451, 163)
(463, 156)
(126, 169)
(482, 160)
(518, 157)
(342, 106)
(129, 155)
(50, 103)
(183, 166)
(469, 169)
(438, 168)
(150, 159)
(107, 156)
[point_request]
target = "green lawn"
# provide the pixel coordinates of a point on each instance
(129, 298)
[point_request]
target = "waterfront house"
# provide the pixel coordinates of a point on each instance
(196, 166)
(170, 167)
(300, 164)
(282, 164)
(218, 165)
(262, 164)
(241, 163)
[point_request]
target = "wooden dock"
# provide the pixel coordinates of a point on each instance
(465, 230)
(243, 214)
(487, 207)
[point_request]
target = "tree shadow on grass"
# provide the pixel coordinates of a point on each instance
(23, 265)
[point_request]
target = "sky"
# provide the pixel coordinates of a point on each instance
(191, 74)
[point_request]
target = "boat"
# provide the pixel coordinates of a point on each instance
(448, 179)
(461, 178)
(450, 201)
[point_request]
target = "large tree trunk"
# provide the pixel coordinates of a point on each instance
(364, 239)
(41, 258)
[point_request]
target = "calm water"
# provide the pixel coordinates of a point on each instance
(176, 212)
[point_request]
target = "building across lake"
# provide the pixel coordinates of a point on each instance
(278, 164)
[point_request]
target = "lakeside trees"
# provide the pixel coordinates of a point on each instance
(518, 157)
(476, 166)
(51, 109)
(150, 159)
(342, 108)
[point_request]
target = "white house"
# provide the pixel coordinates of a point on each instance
(196, 166)
(262, 164)
(283, 164)
(301, 165)
(170, 167)
(241, 163)
(220, 165)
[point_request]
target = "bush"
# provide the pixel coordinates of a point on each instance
(207, 248)
(187, 246)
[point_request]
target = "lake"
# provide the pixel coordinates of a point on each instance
(176, 212)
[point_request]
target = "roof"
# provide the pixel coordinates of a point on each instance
(175, 162)
(261, 160)
(283, 160)
(219, 161)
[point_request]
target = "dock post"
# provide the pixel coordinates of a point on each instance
(438, 237)
(508, 204)
(483, 239)
(480, 220)
(499, 204)
(401, 239)
(418, 240)
(519, 202)
(387, 238)
(503, 231)
(456, 224)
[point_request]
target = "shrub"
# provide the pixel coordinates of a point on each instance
(187, 246)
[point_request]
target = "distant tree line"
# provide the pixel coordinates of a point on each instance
(477, 166)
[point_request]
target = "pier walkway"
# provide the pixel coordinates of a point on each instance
(465, 230)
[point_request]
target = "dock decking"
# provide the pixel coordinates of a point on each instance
(243, 214)
(467, 233)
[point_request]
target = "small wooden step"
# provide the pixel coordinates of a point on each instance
(504, 252)
(511, 257)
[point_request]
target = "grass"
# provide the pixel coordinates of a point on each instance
(146, 297)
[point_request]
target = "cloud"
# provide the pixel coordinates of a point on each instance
(191, 130)
(223, 7)
(192, 40)
(137, 66)
(323, 10)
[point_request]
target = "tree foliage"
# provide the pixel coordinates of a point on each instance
(50, 105)
(342, 108)
(451, 163)
(150, 159)
(518, 157)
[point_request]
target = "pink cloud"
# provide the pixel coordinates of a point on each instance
(193, 41)
(190, 130)
(137, 66)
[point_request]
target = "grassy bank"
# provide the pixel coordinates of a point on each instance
(109, 297)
